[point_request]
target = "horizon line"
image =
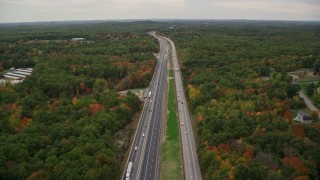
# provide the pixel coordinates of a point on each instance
(157, 19)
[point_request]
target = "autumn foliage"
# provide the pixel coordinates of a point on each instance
(223, 147)
(193, 91)
(66, 120)
(212, 148)
(84, 88)
(250, 91)
(39, 175)
(298, 130)
(297, 164)
(301, 178)
(287, 115)
(242, 100)
(94, 108)
(26, 121)
(248, 154)
(54, 105)
(199, 117)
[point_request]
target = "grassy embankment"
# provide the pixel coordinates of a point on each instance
(171, 161)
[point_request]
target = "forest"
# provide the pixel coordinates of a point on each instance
(243, 100)
(62, 121)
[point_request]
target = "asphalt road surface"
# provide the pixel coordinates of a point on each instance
(309, 104)
(145, 152)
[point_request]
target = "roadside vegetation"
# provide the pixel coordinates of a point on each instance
(240, 93)
(171, 155)
(63, 121)
(309, 81)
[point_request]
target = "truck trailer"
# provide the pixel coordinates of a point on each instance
(129, 168)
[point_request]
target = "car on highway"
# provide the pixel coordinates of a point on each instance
(142, 134)
(182, 124)
(136, 148)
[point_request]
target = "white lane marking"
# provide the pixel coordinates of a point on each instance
(153, 125)
(178, 78)
(138, 131)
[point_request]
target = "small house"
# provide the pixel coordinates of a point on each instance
(303, 117)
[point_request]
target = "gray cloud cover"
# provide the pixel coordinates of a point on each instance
(56, 10)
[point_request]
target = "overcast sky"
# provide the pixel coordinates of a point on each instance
(57, 10)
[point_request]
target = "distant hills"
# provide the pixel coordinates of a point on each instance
(75, 22)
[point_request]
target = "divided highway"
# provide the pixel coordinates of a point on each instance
(145, 154)
(144, 158)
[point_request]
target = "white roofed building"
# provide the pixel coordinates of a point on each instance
(18, 74)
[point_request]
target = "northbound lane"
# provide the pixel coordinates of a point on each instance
(190, 158)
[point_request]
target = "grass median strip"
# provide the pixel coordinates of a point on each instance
(171, 157)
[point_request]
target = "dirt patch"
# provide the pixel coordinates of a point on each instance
(304, 76)
(138, 92)
(301, 73)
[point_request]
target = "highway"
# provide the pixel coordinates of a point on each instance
(145, 152)
(190, 159)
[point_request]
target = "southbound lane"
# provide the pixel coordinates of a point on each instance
(145, 150)
(151, 162)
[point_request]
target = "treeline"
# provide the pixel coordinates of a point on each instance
(60, 123)
(243, 100)
(62, 31)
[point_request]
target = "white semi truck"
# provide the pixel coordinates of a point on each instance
(128, 172)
